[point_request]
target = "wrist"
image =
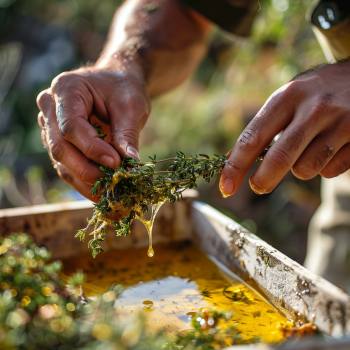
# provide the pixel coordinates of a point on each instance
(123, 61)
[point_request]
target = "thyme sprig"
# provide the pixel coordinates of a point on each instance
(126, 192)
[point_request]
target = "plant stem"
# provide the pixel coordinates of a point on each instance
(162, 172)
(196, 178)
(170, 159)
(165, 160)
(209, 171)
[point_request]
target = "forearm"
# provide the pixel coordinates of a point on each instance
(163, 41)
(148, 52)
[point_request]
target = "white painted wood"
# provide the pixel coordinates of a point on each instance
(285, 282)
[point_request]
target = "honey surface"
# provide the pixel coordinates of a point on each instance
(173, 285)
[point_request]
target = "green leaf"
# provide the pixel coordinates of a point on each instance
(204, 155)
(135, 185)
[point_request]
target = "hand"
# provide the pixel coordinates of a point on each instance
(116, 97)
(314, 112)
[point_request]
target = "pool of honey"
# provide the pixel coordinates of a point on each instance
(178, 281)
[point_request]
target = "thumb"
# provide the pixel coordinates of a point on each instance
(127, 120)
(125, 139)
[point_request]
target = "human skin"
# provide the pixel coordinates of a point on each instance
(313, 111)
(148, 52)
(151, 52)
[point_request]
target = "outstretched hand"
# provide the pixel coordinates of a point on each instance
(314, 113)
(116, 97)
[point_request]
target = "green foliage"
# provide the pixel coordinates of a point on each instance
(126, 192)
(207, 333)
(204, 115)
(38, 311)
(98, 129)
(77, 279)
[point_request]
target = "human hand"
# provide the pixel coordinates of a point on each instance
(314, 113)
(116, 97)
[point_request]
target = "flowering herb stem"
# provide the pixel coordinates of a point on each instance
(126, 192)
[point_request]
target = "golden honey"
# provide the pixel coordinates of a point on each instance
(175, 284)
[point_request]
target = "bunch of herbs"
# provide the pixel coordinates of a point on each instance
(126, 192)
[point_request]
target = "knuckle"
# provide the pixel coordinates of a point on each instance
(57, 150)
(322, 105)
(66, 126)
(320, 108)
(292, 88)
(64, 81)
(278, 158)
(82, 175)
(41, 120)
(284, 97)
(287, 94)
(43, 99)
(233, 165)
(295, 138)
(60, 80)
(130, 135)
(122, 76)
(249, 139)
(327, 99)
(89, 153)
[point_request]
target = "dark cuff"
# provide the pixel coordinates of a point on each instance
(228, 16)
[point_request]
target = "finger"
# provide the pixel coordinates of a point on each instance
(63, 151)
(281, 157)
(338, 164)
(43, 138)
(81, 187)
(273, 117)
(306, 125)
(74, 99)
(41, 120)
(64, 173)
(128, 117)
(319, 153)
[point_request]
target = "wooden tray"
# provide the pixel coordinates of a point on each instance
(289, 286)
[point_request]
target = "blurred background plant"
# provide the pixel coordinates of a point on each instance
(42, 38)
(40, 308)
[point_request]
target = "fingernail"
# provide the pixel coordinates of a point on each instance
(107, 161)
(226, 187)
(132, 152)
(255, 188)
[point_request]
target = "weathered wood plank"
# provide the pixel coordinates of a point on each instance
(54, 225)
(285, 282)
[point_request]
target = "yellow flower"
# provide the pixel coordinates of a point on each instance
(46, 291)
(25, 301)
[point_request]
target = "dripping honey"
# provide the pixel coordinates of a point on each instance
(121, 212)
(174, 285)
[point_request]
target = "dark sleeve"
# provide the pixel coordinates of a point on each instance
(235, 16)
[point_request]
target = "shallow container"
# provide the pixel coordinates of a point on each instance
(286, 284)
